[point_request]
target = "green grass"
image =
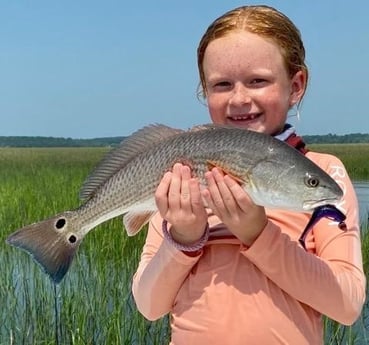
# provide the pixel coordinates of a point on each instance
(95, 301)
(354, 156)
(96, 306)
(355, 159)
(358, 334)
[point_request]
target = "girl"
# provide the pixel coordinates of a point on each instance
(234, 273)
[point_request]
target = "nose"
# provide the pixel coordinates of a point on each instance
(240, 95)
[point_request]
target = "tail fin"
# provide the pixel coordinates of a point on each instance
(50, 244)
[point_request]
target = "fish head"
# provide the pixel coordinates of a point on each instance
(52, 243)
(320, 190)
(301, 186)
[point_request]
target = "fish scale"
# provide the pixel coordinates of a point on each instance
(124, 183)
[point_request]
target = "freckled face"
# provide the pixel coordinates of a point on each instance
(247, 84)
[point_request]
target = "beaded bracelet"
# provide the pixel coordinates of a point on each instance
(191, 248)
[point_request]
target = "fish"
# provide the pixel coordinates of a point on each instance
(274, 174)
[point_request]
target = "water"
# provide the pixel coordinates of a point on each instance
(362, 191)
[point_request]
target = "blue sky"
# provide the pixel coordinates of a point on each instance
(85, 69)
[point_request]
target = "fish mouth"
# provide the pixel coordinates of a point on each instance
(310, 205)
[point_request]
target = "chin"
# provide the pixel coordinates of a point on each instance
(252, 127)
(243, 124)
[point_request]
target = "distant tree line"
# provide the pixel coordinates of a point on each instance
(353, 138)
(19, 141)
(23, 141)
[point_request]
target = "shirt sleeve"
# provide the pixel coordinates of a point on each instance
(160, 274)
(329, 277)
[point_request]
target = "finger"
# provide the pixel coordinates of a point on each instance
(161, 193)
(242, 199)
(185, 192)
(228, 200)
(197, 204)
(174, 191)
(212, 195)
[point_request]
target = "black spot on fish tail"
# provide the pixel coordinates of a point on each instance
(325, 211)
(72, 239)
(60, 223)
(49, 247)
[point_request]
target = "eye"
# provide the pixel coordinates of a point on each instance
(311, 181)
(222, 83)
(221, 86)
(257, 81)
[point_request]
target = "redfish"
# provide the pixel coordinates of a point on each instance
(273, 174)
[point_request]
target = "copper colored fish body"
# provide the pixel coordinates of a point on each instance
(271, 172)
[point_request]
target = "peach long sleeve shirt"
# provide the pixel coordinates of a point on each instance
(273, 292)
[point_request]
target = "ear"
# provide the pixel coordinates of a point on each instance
(298, 87)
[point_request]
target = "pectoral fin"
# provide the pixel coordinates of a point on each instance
(134, 221)
(226, 171)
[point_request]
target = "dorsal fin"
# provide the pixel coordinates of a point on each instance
(119, 157)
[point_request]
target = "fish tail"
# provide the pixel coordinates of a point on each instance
(52, 247)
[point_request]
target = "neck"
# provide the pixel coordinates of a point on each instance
(289, 136)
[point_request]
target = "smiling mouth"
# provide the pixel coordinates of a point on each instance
(245, 118)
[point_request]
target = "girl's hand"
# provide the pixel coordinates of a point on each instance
(234, 207)
(179, 201)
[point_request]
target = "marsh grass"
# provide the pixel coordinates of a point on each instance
(358, 334)
(96, 306)
(353, 156)
(355, 159)
(95, 301)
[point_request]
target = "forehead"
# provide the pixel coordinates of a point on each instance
(242, 49)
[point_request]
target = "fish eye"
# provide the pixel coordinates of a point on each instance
(311, 181)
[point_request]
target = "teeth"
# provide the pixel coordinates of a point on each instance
(239, 118)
